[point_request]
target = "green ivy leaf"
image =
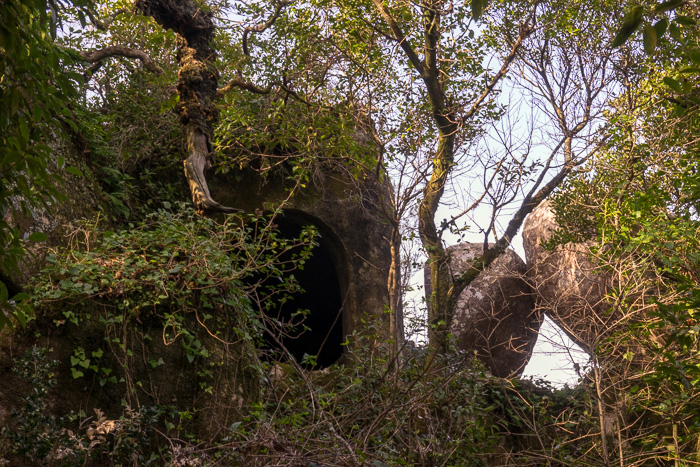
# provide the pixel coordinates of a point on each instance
(37, 237)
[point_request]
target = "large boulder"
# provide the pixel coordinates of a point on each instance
(569, 286)
(495, 315)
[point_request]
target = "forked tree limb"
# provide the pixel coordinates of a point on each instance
(263, 26)
(104, 23)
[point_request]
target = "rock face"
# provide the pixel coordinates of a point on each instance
(569, 287)
(495, 315)
(175, 381)
(82, 202)
(346, 291)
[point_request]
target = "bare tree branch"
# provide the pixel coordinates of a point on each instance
(103, 24)
(121, 51)
(263, 26)
(530, 202)
(524, 32)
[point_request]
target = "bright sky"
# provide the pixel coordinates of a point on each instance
(554, 356)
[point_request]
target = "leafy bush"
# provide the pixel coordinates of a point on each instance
(40, 438)
(35, 96)
(172, 264)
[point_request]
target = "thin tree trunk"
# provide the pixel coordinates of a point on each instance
(439, 313)
(394, 286)
(601, 416)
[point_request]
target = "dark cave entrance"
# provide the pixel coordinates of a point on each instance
(320, 332)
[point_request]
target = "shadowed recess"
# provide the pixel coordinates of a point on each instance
(320, 332)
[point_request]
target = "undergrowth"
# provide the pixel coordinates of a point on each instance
(162, 327)
(454, 414)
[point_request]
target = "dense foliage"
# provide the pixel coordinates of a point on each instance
(198, 282)
(454, 414)
(173, 267)
(638, 200)
(35, 91)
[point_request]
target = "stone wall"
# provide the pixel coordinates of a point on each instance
(350, 215)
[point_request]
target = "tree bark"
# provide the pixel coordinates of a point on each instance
(197, 85)
(121, 51)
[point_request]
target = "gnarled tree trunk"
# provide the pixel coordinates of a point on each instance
(197, 83)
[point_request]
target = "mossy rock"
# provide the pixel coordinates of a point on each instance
(109, 364)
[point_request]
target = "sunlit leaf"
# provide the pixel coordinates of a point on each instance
(630, 24)
(650, 39)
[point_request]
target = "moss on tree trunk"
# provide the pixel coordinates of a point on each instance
(198, 81)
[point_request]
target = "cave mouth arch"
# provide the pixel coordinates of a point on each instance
(322, 278)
